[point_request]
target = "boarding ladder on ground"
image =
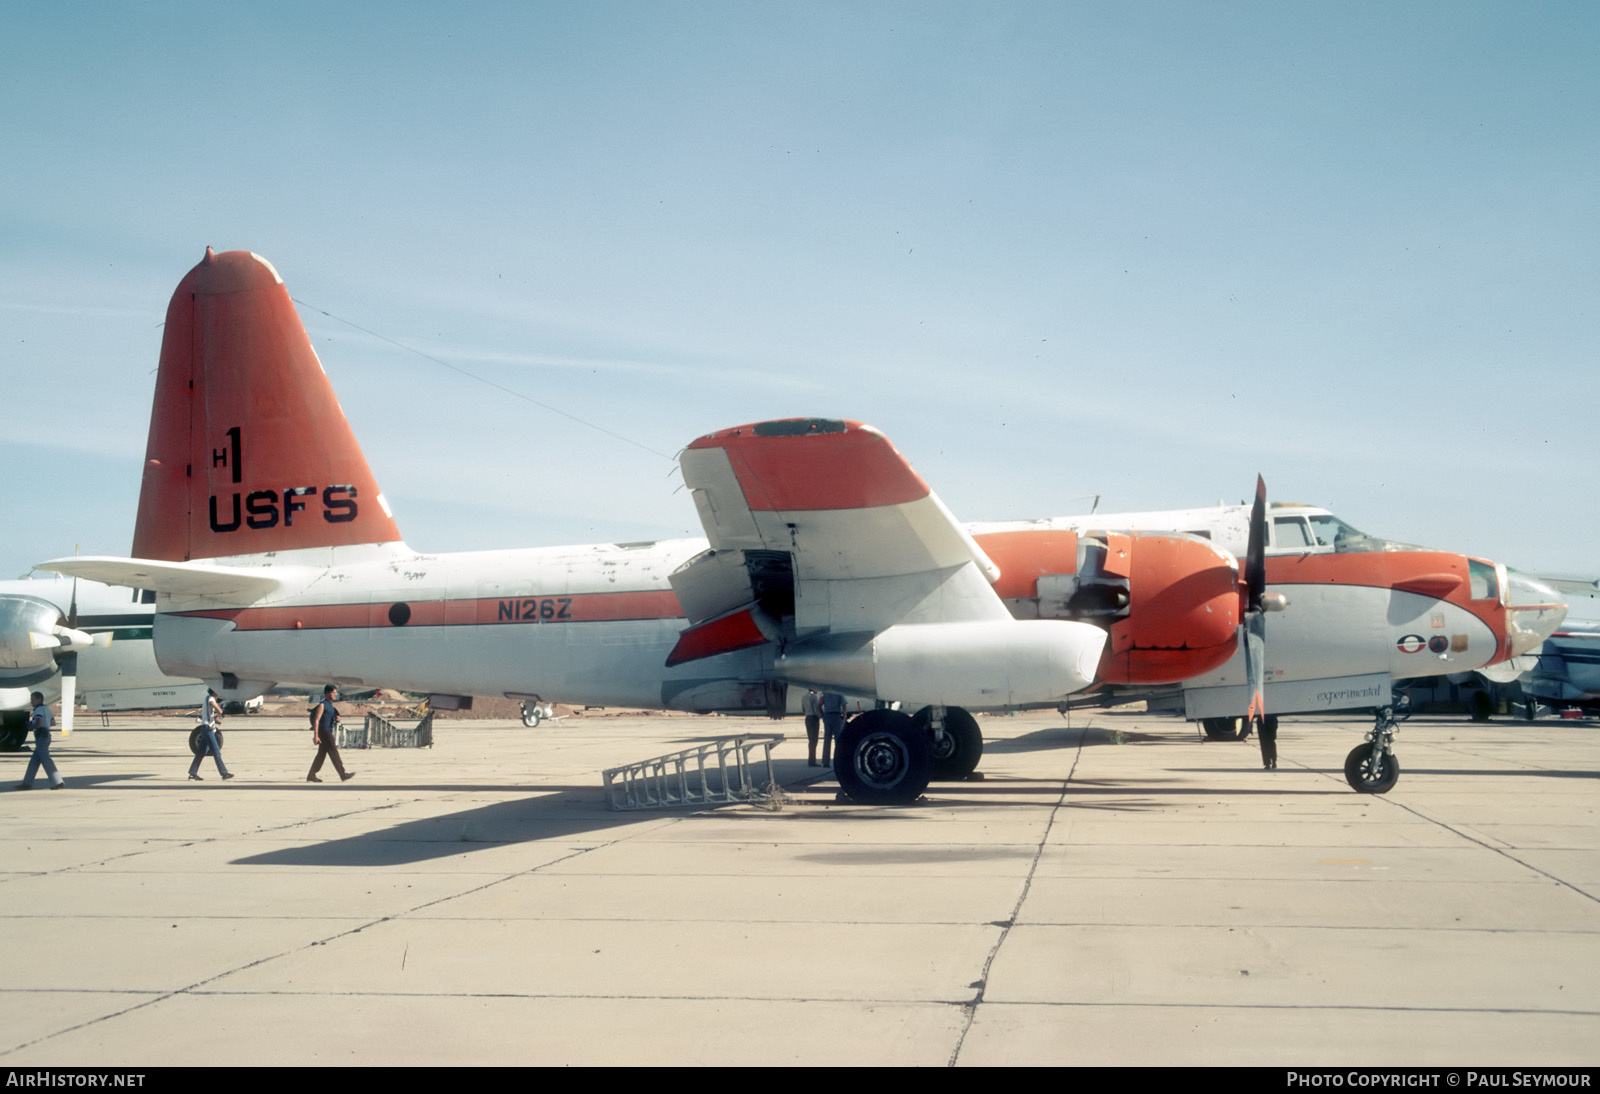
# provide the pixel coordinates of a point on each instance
(716, 773)
(378, 732)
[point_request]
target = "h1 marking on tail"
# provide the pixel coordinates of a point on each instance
(264, 508)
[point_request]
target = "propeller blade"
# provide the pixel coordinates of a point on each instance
(1255, 663)
(1255, 561)
(1255, 619)
(69, 690)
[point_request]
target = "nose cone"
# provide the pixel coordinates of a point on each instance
(1533, 612)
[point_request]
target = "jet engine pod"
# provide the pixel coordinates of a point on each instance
(28, 640)
(982, 665)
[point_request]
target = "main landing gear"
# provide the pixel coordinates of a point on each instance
(1372, 768)
(957, 741)
(1220, 729)
(884, 757)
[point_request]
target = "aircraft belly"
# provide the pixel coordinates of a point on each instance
(616, 663)
(1292, 697)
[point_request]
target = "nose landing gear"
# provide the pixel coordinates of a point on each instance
(1373, 768)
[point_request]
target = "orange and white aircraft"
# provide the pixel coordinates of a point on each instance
(827, 561)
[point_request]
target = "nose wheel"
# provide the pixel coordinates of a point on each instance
(1372, 767)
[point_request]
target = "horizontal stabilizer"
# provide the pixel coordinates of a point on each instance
(173, 578)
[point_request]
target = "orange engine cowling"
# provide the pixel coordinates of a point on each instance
(1169, 601)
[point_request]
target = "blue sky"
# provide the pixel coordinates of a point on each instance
(1055, 250)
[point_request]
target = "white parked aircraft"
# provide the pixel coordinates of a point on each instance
(101, 633)
(828, 561)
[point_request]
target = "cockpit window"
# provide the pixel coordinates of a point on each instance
(1331, 531)
(1484, 584)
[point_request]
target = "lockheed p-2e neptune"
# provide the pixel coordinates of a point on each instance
(827, 562)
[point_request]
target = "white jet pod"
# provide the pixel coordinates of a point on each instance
(977, 665)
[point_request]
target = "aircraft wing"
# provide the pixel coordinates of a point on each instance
(174, 578)
(870, 544)
(824, 540)
(1572, 584)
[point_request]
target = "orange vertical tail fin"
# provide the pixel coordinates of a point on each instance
(249, 450)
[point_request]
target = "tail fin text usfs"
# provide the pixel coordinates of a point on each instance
(249, 450)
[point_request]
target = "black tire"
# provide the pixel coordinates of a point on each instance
(882, 757)
(1220, 729)
(197, 743)
(13, 730)
(1482, 708)
(1367, 777)
(958, 754)
(530, 715)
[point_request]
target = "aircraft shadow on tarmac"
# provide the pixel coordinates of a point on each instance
(579, 811)
(555, 813)
(1063, 737)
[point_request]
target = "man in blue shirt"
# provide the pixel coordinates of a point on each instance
(40, 722)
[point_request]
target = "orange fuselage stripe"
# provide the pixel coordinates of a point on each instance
(485, 611)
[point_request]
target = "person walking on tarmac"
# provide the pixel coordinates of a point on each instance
(325, 719)
(210, 722)
(40, 722)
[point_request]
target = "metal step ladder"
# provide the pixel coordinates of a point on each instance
(378, 732)
(718, 772)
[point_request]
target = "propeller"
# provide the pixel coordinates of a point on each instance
(69, 667)
(67, 641)
(1255, 616)
(1258, 602)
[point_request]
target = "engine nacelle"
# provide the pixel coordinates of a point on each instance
(977, 665)
(27, 642)
(1170, 602)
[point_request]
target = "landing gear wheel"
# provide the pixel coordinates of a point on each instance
(883, 758)
(1220, 729)
(956, 755)
(1367, 776)
(197, 740)
(531, 715)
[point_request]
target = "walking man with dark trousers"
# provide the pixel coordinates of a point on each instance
(323, 736)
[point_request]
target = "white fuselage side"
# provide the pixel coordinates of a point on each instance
(595, 625)
(591, 624)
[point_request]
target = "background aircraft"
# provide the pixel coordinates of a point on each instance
(115, 658)
(828, 561)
